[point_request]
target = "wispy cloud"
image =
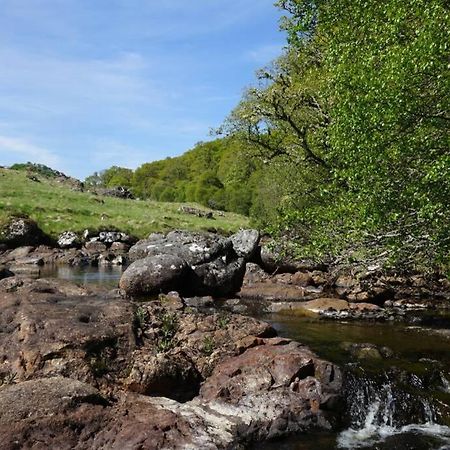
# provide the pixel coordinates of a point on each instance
(55, 85)
(21, 149)
(265, 53)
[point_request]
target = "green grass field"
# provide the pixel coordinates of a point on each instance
(57, 208)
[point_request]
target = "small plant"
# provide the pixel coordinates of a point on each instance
(169, 327)
(223, 320)
(208, 345)
(99, 365)
(140, 317)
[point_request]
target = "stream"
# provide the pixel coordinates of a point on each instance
(397, 396)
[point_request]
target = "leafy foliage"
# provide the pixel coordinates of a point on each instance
(215, 174)
(356, 115)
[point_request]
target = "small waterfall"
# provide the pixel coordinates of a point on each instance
(381, 406)
(445, 382)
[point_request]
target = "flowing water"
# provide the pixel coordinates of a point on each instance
(398, 402)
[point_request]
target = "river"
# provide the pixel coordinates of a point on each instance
(396, 401)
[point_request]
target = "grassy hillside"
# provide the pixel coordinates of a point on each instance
(57, 208)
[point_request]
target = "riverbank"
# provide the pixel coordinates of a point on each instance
(88, 369)
(174, 355)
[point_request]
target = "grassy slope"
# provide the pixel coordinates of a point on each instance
(56, 208)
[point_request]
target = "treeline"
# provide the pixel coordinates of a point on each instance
(215, 174)
(343, 143)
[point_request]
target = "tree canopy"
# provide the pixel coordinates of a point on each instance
(343, 141)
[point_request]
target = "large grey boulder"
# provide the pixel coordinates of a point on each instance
(245, 243)
(218, 278)
(154, 274)
(20, 231)
(194, 248)
(216, 264)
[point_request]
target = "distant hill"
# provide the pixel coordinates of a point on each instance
(56, 206)
(34, 171)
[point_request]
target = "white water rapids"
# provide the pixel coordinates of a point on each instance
(375, 422)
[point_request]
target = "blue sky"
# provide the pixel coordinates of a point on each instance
(86, 84)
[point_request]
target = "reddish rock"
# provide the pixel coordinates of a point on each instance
(271, 291)
(94, 247)
(286, 383)
(53, 328)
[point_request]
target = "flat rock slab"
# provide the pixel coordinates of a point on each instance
(54, 328)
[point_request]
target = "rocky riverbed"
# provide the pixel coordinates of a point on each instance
(86, 369)
(242, 268)
(167, 361)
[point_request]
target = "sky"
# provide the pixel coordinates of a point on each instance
(87, 84)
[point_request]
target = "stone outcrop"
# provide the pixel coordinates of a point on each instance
(68, 239)
(102, 248)
(118, 192)
(19, 231)
(55, 328)
(291, 386)
(216, 265)
(87, 370)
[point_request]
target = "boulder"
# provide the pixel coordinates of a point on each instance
(367, 350)
(68, 239)
(109, 237)
(154, 274)
(194, 248)
(20, 231)
(321, 305)
(216, 266)
(119, 192)
(218, 278)
(119, 247)
(94, 247)
(275, 389)
(20, 252)
(245, 243)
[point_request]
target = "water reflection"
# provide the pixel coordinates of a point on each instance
(108, 276)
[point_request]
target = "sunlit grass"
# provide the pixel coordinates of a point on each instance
(57, 208)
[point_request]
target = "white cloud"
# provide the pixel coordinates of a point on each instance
(15, 149)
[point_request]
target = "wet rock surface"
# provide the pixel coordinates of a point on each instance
(85, 369)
